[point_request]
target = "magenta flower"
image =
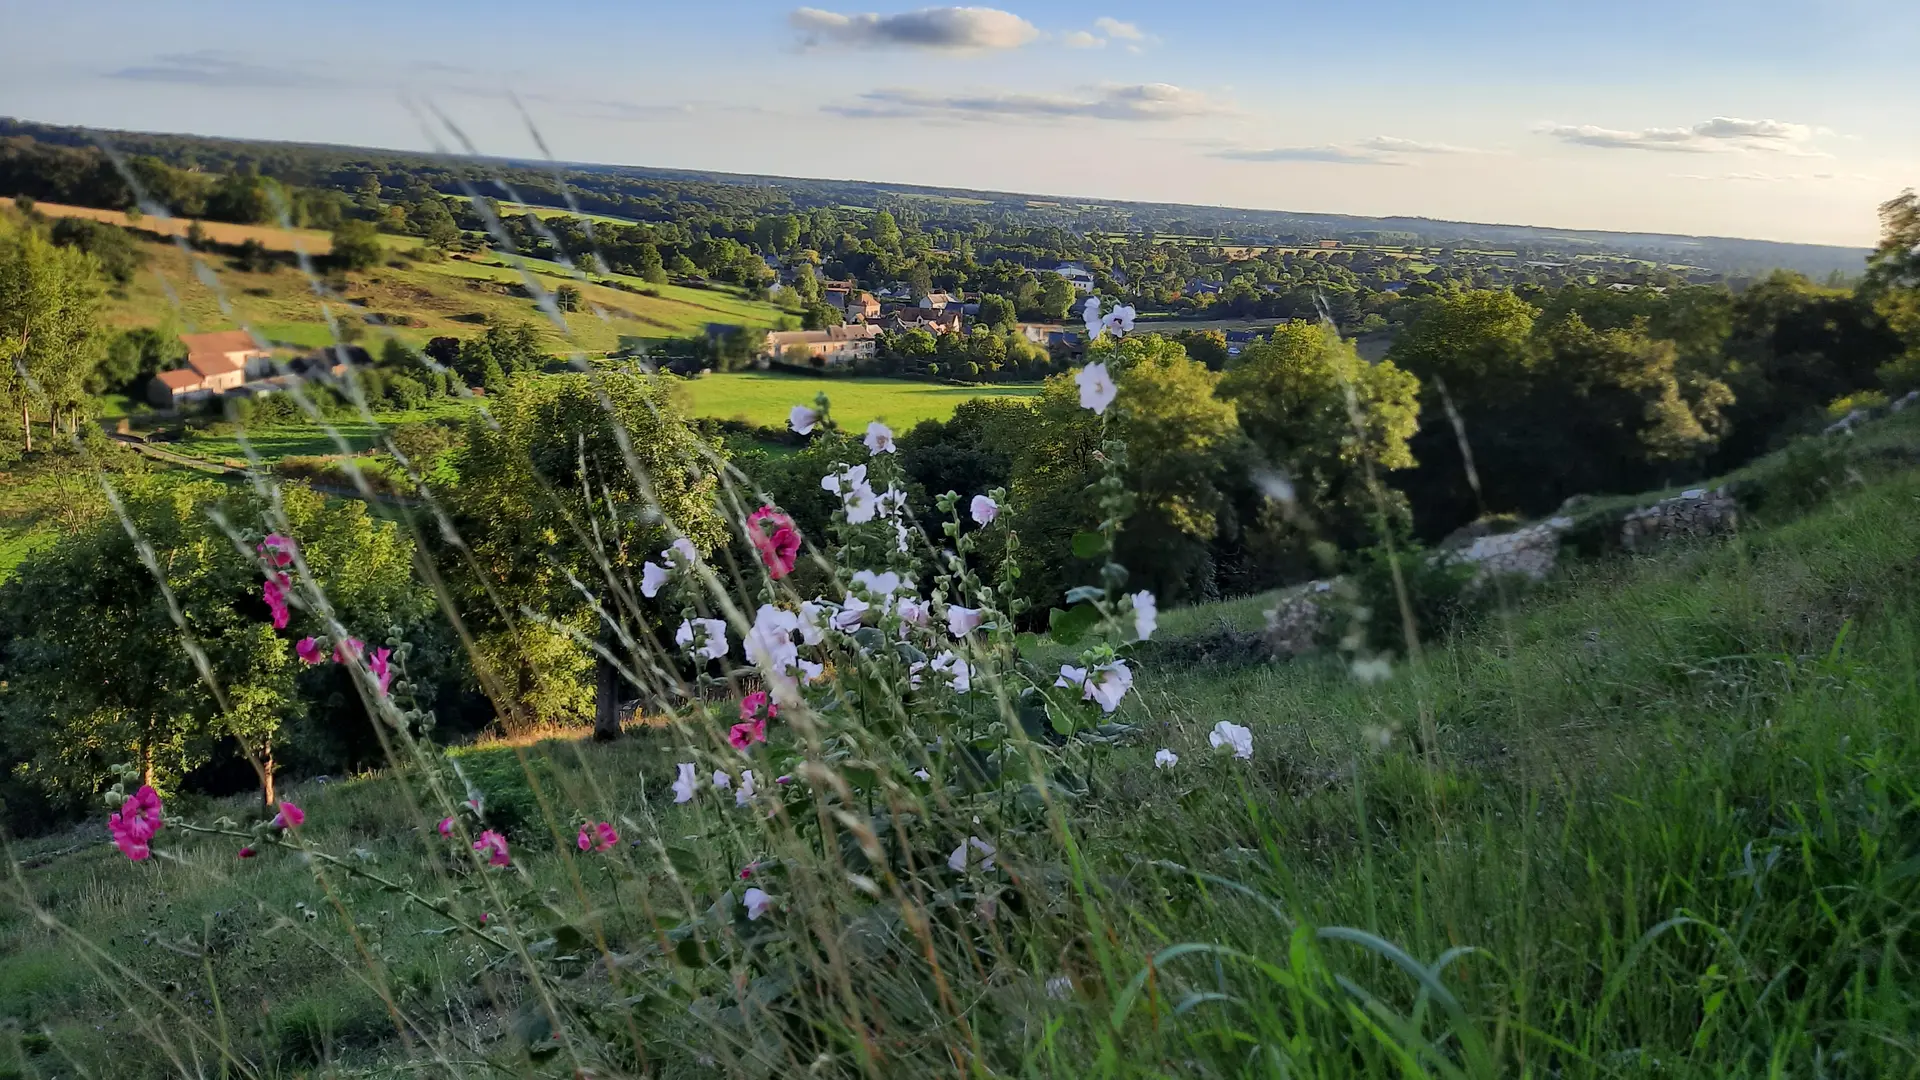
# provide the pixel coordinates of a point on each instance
(757, 703)
(494, 846)
(309, 651)
(131, 841)
(247, 853)
(377, 664)
(776, 539)
(289, 817)
(741, 736)
(139, 818)
(277, 550)
(274, 592)
(446, 826)
(600, 837)
(349, 649)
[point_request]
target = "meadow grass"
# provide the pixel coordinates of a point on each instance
(764, 398)
(1657, 819)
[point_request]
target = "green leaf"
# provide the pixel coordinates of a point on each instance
(1087, 545)
(684, 862)
(1069, 626)
(1085, 592)
(689, 952)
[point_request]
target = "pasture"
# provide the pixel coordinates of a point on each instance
(764, 398)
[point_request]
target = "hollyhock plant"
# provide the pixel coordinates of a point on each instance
(839, 483)
(289, 816)
(962, 621)
(961, 857)
(879, 438)
(446, 826)
(983, 510)
(1119, 321)
(745, 735)
(803, 420)
(861, 504)
(349, 649)
(494, 847)
(722, 781)
(756, 705)
(309, 651)
(711, 635)
(1091, 313)
(598, 837)
(747, 789)
(382, 672)
(1146, 615)
(684, 787)
(1097, 390)
(247, 853)
(775, 539)
(757, 902)
(1165, 759)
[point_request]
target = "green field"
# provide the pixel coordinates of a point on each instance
(764, 399)
(271, 442)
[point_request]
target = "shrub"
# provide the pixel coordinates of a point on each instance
(1437, 594)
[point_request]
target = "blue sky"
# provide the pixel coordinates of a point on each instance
(1765, 118)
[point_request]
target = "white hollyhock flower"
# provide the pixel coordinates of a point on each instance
(758, 903)
(1096, 388)
(710, 634)
(962, 621)
(845, 480)
(1165, 759)
(913, 610)
(770, 641)
(892, 501)
(803, 420)
(959, 859)
(683, 788)
(1071, 676)
(885, 584)
(850, 614)
(956, 669)
(1091, 312)
(653, 577)
(922, 775)
(1119, 321)
(813, 620)
(1146, 615)
(1232, 735)
(810, 670)
(745, 793)
(681, 554)
(861, 504)
(1107, 684)
(721, 781)
(983, 510)
(879, 438)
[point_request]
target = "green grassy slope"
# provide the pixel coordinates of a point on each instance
(764, 398)
(1669, 807)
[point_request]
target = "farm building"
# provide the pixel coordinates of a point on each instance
(834, 345)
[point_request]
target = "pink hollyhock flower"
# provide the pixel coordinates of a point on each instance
(289, 817)
(605, 836)
(983, 510)
(349, 649)
(141, 813)
(775, 538)
(484, 917)
(247, 853)
(130, 839)
(494, 846)
(274, 592)
(747, 870)
(741, 736)
(583, 841)
(446, 826)
(377, 664)
(309, 651)
(755, 704)
(277, 550)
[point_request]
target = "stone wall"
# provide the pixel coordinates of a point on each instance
(1530, 552)
(1689, 515)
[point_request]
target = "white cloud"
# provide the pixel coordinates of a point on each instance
(1324, 154)
(1114, 28)
(952, 28)
(1081, 39)
(1142, 101)
(1394, 145)
(1755, 176)
(1720, 134)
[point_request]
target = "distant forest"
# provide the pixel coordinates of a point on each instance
(687, 197)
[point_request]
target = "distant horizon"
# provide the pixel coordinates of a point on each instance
(1761, 119)
(1038, 195)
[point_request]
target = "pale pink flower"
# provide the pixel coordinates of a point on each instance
(1107, 684)
(758, 903)
(722, 781)
(1091, 313)
(879, 438)
(861, 504)
(653, 577)
(845, 480)
(1165, 759)
(494, 847)
(1119, 321)
(878, 584)
(711, 635)
(803, 420)
(983, 510)
(1096, 388)
(747, 789)
(961, 857)
(1146, 615)
(962, 621)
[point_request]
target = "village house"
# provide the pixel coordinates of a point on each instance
(216, 363)
(822, 348)
(937, 301)
(1077, 275)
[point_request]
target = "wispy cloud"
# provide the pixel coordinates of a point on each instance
(210, 67)
(1718, 135)
(1106, 31)
(1083, 39)
(1389, 144)
(1143, 101)
(1114, 28)
(1755, 176)
(950, 28)
(1326, 154)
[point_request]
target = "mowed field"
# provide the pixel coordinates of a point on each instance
(413, 301)
(311, 241)
(765, 398)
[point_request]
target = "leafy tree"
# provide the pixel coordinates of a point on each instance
(50, 339)
(356, 245)
(566, 298)
(996, 313)
(1056, 296)
(885, 232)
(244, 198)
(536, 524)
(1893, 284)
(1207, 346)
(134, 356)
(914, 344)
(820, 316)
(1178, 434)
(119, 257)
(646, 264)
(806, 287)
(1298, 395)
